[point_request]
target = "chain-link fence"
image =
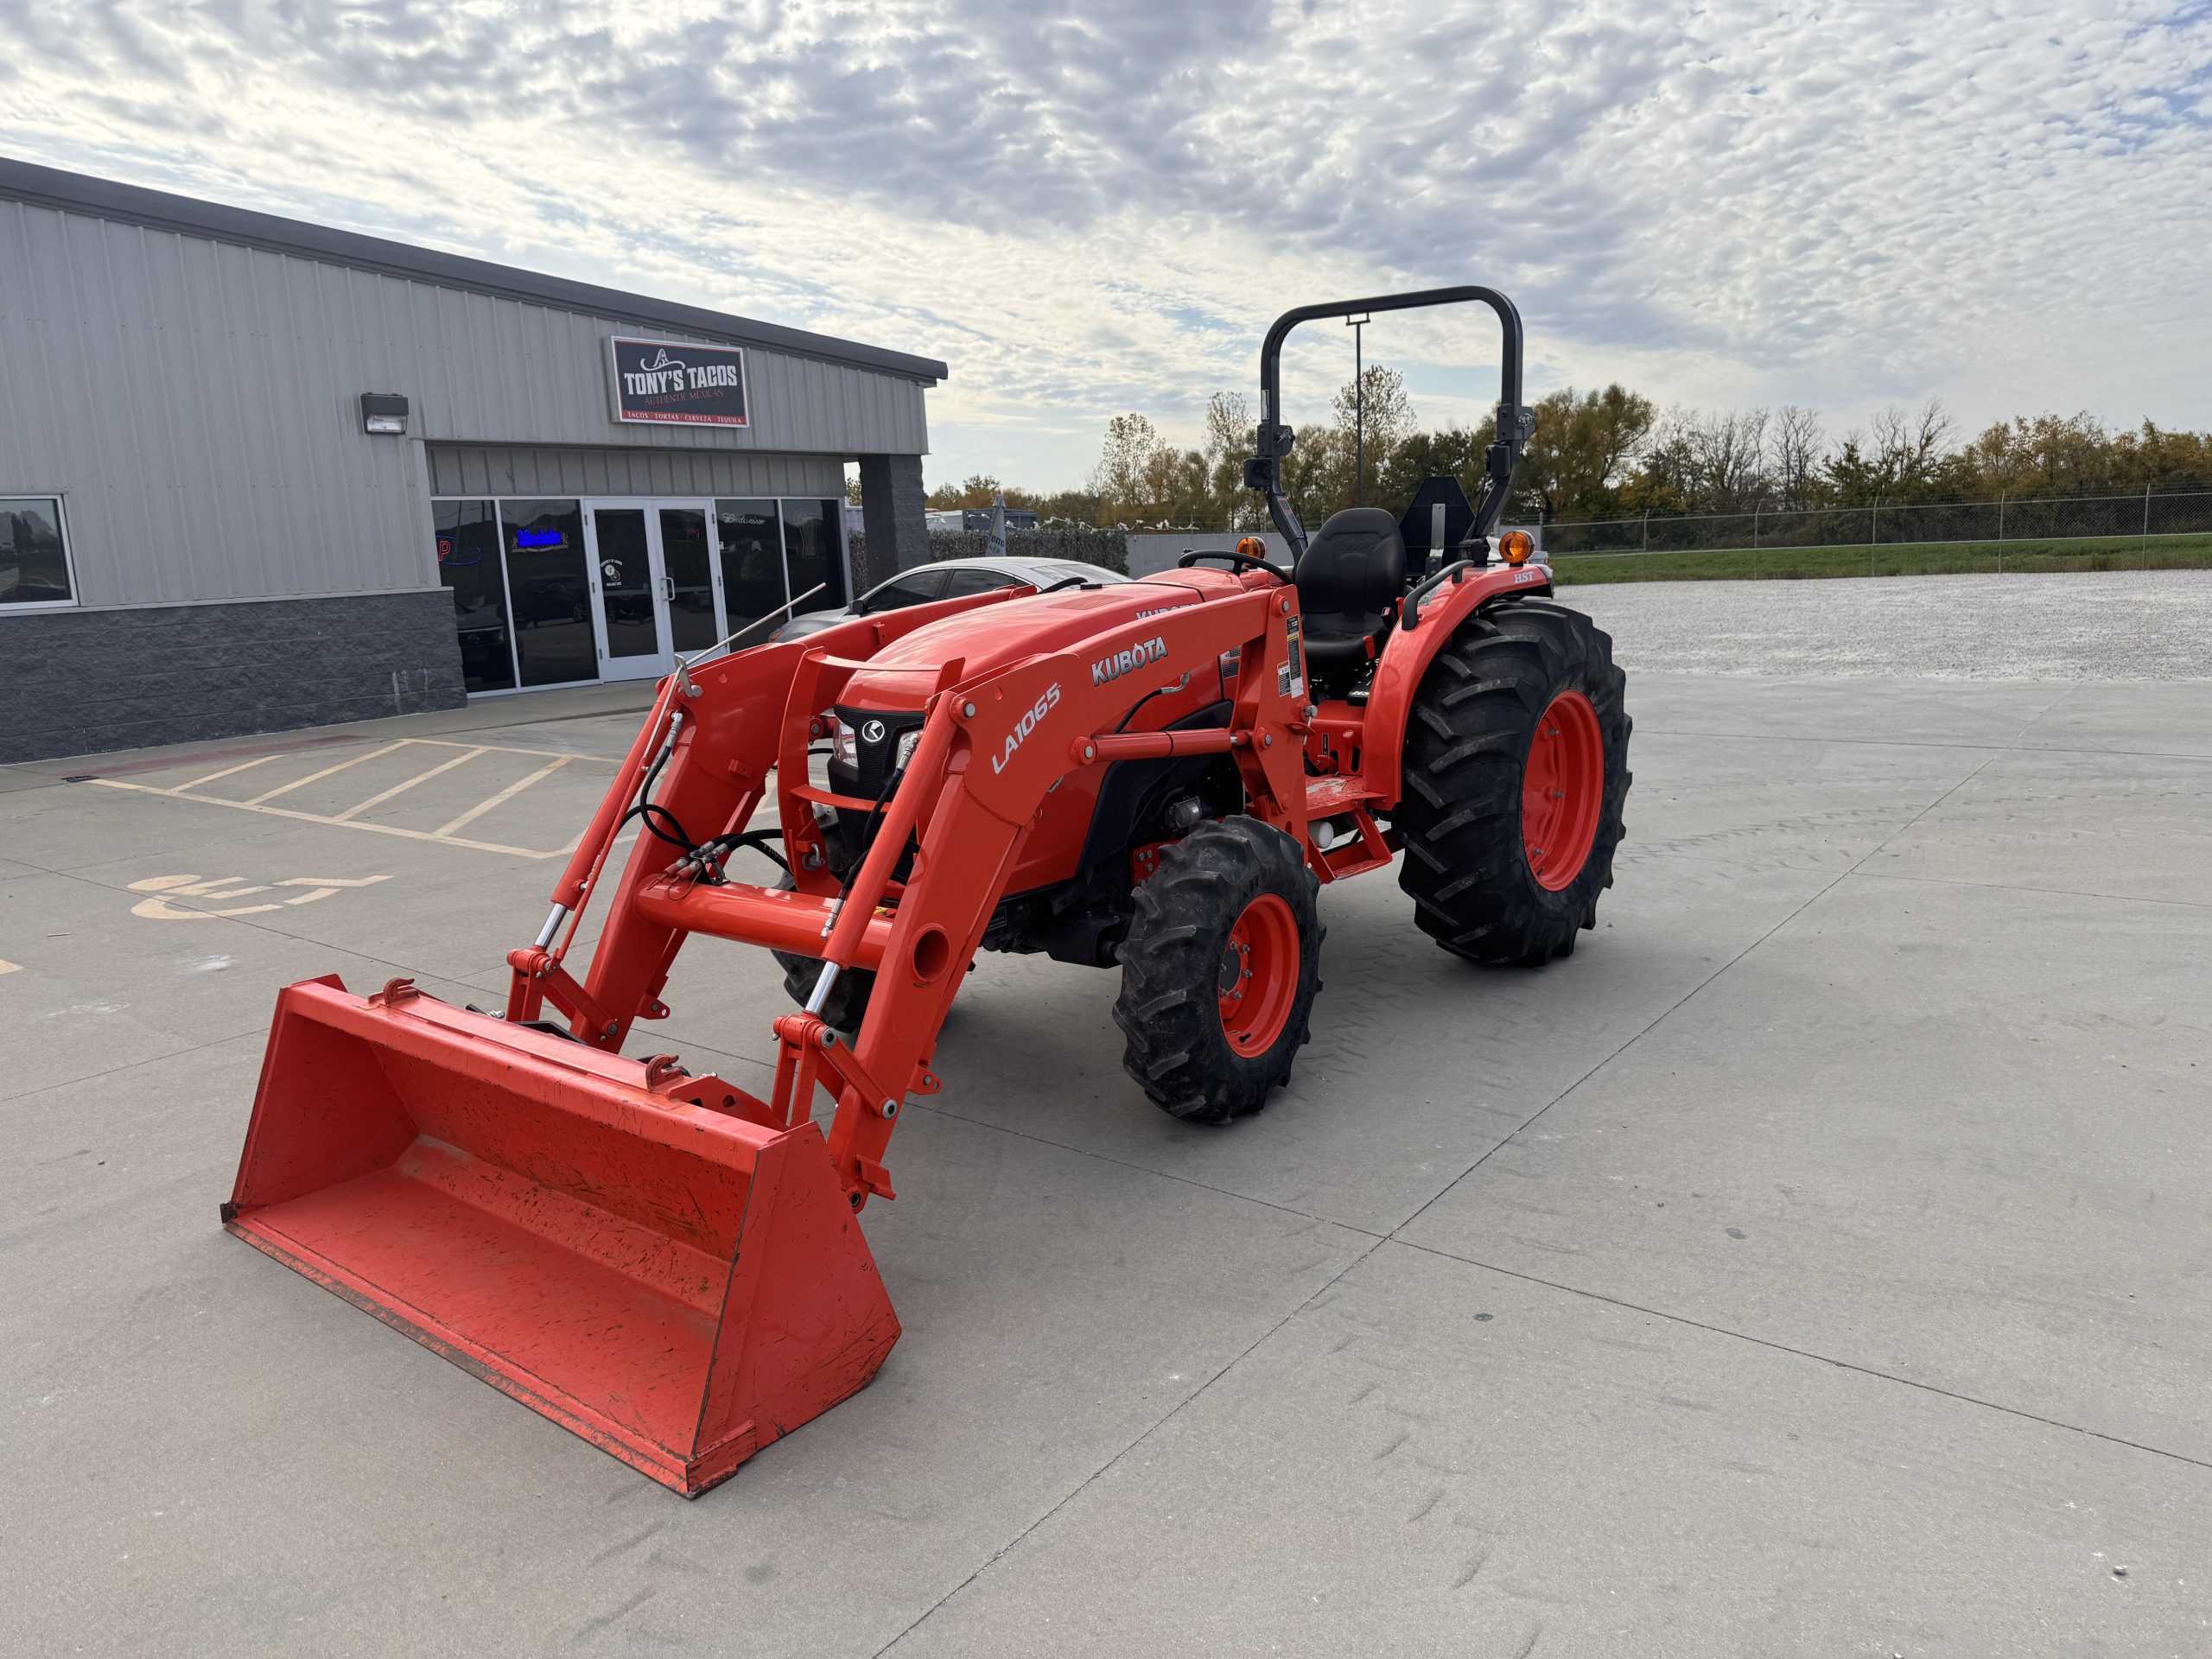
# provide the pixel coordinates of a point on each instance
(2141, 516)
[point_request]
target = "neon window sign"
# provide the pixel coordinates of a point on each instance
(540, 538)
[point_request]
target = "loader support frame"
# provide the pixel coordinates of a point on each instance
(991, 747)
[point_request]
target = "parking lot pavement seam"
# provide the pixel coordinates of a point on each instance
(259, 1031)
(1866, 742)
(1144, 1169)
(1773, 1346)
(1166, 1418)
(2019, 886)
(245, 833)
(1922, 743)
(2059, 693)
(1989, 760)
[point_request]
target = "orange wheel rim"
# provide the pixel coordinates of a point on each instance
(1562, 790)
(1259, 974)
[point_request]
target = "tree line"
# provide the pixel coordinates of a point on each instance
(1601, 455)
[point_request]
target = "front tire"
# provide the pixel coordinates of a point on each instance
(1219, 970)
(1516, 773)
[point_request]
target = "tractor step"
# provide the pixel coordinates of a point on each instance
(1332, 795)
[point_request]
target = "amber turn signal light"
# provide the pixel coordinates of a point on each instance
(1515, 546)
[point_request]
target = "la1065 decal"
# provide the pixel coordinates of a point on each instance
(1027, 724)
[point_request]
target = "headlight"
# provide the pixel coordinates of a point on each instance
(845, 749)
(907, 743)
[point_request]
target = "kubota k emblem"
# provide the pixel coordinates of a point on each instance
(1121, 662)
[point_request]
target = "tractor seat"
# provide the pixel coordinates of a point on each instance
(1350, 575)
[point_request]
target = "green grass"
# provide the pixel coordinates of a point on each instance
(1903, 559)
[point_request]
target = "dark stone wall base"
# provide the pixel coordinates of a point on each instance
(89, 682)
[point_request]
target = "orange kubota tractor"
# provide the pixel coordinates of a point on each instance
(1158, 776)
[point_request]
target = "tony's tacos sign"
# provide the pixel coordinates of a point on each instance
(673, 382)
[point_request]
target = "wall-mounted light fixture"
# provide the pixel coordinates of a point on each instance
(383, 412)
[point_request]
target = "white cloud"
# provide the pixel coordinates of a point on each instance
(1088, 209)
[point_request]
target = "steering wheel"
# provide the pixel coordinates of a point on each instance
(1236, 561)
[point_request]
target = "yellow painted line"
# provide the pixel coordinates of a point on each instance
(351, 812)
(10, 967)
(502, 797)
(508, 748)
(318, 818)
(243, 765)
(317, 777)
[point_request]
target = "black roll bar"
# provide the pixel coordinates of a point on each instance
(1515, 421)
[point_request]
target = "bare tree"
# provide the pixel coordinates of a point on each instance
(1795, 458)
(1229, 432)
(1119, 478)
(1378, 403)
(1903, 445)
(1727, 460)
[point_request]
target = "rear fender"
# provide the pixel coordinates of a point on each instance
(1406, 657)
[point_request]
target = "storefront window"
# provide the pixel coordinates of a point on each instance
(549, 589)
(34, 564)
(813, 552)
(753, 564)
(469, 565)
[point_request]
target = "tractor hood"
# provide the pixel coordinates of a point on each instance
(902, 674)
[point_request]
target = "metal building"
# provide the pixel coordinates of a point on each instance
(256, 473)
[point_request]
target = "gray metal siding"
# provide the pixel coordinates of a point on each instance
(498, 471)
(127, 204)
(195, 401)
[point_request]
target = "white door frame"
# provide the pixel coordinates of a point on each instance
(647, 664)
(704, 505)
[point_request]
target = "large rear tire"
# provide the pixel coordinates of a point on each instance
(1219, 970)
(1515, 771)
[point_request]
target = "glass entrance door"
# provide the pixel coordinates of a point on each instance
(687, 564)
(653, 586)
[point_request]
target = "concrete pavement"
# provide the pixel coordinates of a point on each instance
(1813, 1263)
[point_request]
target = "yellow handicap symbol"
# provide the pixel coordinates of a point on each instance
(223, 887)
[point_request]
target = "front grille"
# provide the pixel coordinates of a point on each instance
(878, 736)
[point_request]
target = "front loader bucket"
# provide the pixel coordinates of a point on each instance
(678, 1282)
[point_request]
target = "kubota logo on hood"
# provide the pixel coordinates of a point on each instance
(1121, 662)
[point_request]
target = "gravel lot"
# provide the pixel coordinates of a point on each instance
(2121, 625)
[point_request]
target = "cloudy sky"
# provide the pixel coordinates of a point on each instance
(1086, 208)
